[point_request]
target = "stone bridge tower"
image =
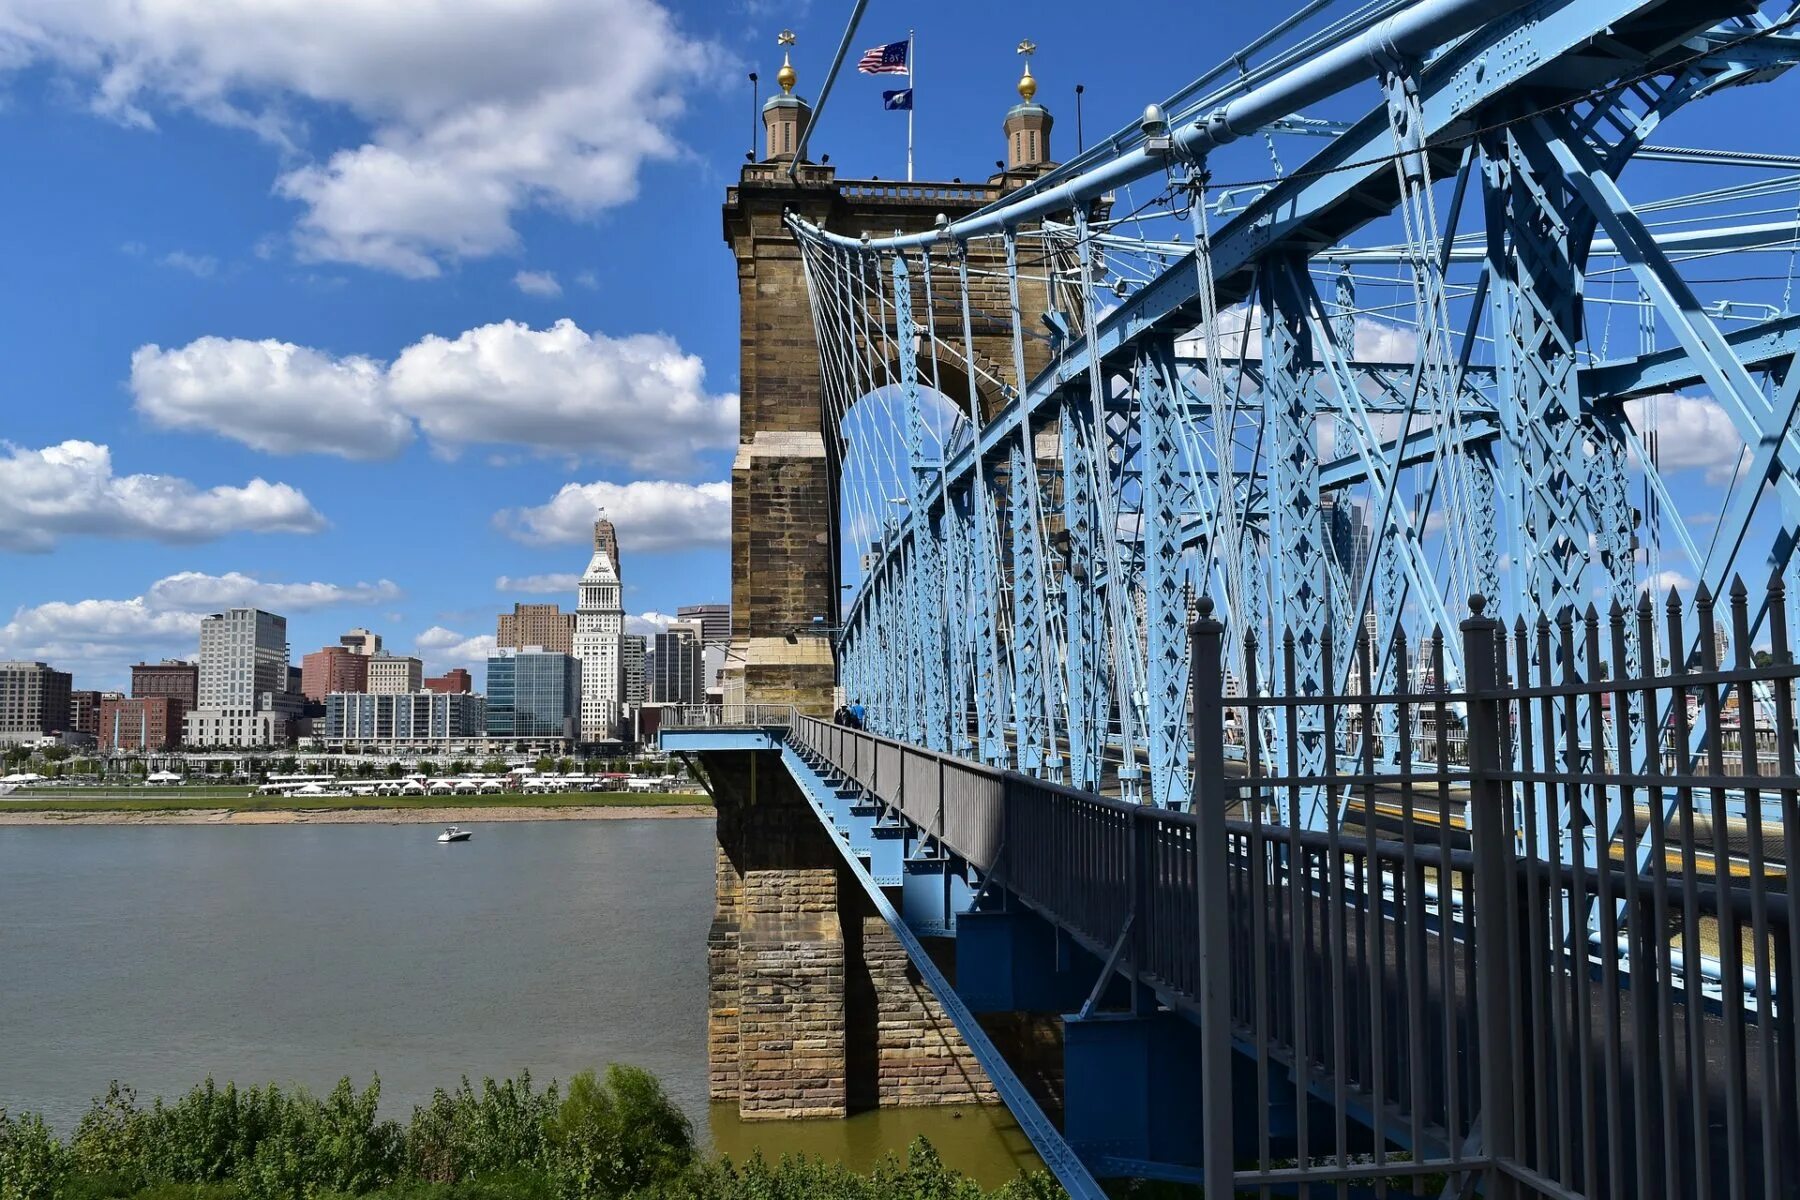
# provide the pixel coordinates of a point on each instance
(784, 557)
(813, 1008)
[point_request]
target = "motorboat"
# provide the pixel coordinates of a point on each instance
(453, 834)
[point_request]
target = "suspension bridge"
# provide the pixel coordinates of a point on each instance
(1292, 560)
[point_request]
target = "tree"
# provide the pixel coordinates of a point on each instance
(56, 753)
(565, 766)
(494, 766)
(544, 765)
(427, 767)
(394, 769)
(459, 767)
(619, 1137)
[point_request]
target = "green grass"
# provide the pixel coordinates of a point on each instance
(236, 800)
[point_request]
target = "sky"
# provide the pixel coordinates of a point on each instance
(357, 312)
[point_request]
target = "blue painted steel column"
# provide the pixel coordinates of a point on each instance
(1083, 653)
(1166, 498)
(1533, 278)
(1297, 551)
(928, 610)
(1028, 610)
(1036, 716)
(989, 686)
(958, 534)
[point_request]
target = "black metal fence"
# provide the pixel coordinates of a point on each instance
(1567, 966)
(1559, 964)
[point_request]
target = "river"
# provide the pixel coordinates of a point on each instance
(298, 954)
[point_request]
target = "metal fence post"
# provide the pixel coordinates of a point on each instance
(1212, 861)
(1490, 836)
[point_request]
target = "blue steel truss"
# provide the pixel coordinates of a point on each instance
(1209, 425)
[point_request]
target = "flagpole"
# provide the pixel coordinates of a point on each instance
(912, 100)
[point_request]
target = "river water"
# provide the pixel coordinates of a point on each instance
(297, 954)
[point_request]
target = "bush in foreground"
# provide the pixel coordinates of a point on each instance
(617, 1138)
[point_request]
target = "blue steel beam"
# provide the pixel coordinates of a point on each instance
(1166, 499)
(1084, 654)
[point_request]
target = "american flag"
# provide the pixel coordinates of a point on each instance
(884, 60)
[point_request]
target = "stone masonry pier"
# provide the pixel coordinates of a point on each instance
(814, 1009)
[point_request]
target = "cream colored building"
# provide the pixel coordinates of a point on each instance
(599, 630)
(393, 674)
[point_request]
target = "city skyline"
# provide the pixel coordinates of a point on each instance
(268, 340)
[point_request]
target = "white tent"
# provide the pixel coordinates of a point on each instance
(164, 777)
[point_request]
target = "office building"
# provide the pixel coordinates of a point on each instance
(454, 682)
(34, 701)
(634, 687)
(714, 620)
(421, 720)
(141, 722)
(243, 654)
(676, 664)
(170, 677)
(333, 669)
(392, 674)
(361, 641)
(545, 625)
(534, 694)
(84, 712)
(236, 728)
(244, 696)
(599, 623)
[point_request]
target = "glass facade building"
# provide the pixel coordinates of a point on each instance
(533, 693)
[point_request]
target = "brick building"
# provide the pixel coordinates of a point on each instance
(141, 722)
(545, 625)
(170, 677)
(333, 669)
(454, 682)
(84, 712)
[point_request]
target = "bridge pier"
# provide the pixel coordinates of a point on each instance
(814, 1009)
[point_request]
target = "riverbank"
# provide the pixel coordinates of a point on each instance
(385, 811)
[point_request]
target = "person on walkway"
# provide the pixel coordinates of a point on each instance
(842, 715)
(857, 714)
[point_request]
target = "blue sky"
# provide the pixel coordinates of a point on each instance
(311, 265)
(387, 297)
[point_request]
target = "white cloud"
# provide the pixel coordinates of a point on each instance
(588, 279)
(443, 648)
(649, 623)
(1658, 585)
(537, 283)
(1694, 433)
(538, 585)
(638, 400)
(70, 489)
(98, 639)
(651, 514)
(202, 266)
(272, 396)
(476, 110)
(194, 590)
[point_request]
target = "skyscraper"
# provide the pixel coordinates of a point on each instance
(676, 665)
(533, 694)
(243, 654)
(632, 650)
(714, 619)
(545, 625)
(599, 623)
(243, 681)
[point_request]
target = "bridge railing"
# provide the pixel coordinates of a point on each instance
(1564, 959)
(728, 716)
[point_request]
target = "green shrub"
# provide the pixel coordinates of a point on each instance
(32, 1162)
(616, 1138)
(463, 1135)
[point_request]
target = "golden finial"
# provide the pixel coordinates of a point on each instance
(1027, 85)
(786, 77)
